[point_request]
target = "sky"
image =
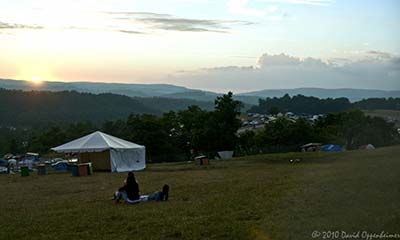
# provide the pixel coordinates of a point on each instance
(237, 45)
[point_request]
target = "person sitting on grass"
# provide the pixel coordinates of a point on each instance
(160, 195)
(129, 192)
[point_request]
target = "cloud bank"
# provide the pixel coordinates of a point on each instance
(138, 23)
(302, 2)
(4, 25)
(376, 70)
(162, 21)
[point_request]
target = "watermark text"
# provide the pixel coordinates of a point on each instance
(354, 235)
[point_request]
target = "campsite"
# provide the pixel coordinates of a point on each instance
(200, 119)
(253, 197)
(106, 153)
(288, 180)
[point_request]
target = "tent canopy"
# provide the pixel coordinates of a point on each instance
(332, 148)
(121, 155)
(367, 147)
(3, 162)
(96, 142)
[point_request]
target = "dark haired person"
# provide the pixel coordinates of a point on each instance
(160, 195)
(129, 192)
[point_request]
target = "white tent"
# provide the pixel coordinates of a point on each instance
(367, 147)
(225, 154)
(119, 155)
(370, 147)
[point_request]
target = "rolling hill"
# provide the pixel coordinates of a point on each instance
(132, 90)
(352, 94)
(254, 197)
(28, 108)
(19, 108)
(179, 92)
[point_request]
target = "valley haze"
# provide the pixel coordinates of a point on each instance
(180, 92)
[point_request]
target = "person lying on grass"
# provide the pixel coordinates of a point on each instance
(128, 192)
(160, 195)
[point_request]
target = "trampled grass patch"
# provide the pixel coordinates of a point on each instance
(255, 197)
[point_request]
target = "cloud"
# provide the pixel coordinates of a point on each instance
(169, 22)
(129, 15)
(283, 60)
(272, 9)
(277, 60)
(4, 25)
(284, 71)
(191, 25)
(302, 2)
(129, 31)
(131, 22)
(182, 24)
(380, 54)
(193, 1)
(110, 29)
(241, 7)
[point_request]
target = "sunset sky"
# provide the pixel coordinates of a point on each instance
(238, 45)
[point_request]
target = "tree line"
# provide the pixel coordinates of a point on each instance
(300, 104)
(350, 129)
(41, 108)
(180, 135)
(174, 136)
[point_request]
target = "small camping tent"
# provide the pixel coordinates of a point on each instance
(311, 147)
(332, 148)
(225, 154)
(367, 147)
(107, 152)
(3, 162)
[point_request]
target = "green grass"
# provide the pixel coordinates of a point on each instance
(257, 197)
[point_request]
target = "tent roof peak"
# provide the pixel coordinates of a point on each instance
(96, 142)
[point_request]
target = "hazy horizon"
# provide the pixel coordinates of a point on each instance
(39, 86)
(236, 45)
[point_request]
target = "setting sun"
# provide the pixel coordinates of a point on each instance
(36, 74)
(36, 80)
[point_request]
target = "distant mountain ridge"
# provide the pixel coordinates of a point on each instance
(132, 90)
(350, 93)
(179, 92)
(27, 108)
(23, 103)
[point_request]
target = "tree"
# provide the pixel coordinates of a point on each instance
(12, 146)
(273, 110)
(115, 128)
(148, 130)
(193, 129)
(226, 120)
(301, 104)
(247, 143)
(353, 129)
(53, 137)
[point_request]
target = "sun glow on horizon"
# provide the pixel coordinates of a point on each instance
(36, 80)
(202, 44)
(36, 74)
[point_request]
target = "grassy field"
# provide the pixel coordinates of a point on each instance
(258, 197)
